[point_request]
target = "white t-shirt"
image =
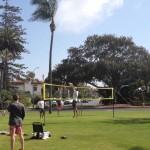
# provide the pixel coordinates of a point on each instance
(75, 95)
(40, 104)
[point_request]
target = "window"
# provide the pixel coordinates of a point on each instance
(34, 87)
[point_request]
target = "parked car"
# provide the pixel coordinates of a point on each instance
(54, 103)
(142, 89)
(68, 101)
(85, 101)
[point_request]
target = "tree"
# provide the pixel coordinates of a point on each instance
(30, 75)
(11, 41)
(45, 11)
(114, 60)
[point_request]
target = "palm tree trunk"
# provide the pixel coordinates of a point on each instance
(52, 27)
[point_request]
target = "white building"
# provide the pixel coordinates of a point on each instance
(33, 86)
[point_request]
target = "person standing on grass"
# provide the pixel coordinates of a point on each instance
(74, 103)
(16, 116)
(40, 105)
(59, 106)
(58, 96)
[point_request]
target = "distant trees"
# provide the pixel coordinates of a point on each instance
(11, 43)
(113, 60)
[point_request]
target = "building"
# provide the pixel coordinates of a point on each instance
(33, 86)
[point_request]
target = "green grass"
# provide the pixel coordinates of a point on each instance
(94, 130)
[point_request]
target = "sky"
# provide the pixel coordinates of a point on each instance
(76, 20)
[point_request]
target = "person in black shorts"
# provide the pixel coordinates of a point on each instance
(74, 103)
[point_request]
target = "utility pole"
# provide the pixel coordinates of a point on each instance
(33, 85)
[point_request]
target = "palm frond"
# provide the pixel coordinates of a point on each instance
(45, 10)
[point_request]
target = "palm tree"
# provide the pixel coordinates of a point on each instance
(45, 11)
(11, 40)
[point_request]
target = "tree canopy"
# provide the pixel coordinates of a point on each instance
(45, 10)
(113, 60)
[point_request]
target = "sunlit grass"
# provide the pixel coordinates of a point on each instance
(94, 130)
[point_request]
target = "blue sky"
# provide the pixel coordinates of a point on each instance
(76, 20)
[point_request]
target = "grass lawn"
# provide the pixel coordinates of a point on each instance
(94, 130)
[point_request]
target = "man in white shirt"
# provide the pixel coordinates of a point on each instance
(40, 105)
(74, 103)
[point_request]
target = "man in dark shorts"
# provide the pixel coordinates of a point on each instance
(74, 103)
(17, 114)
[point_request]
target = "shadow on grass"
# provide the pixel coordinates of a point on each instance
(129, 121)
(30, 138)
(137, 148)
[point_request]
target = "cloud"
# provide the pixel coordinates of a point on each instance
(77, 15)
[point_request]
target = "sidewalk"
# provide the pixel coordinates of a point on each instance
(124, 106)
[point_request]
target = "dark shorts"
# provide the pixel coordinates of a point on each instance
(41, 110)
(74, 104)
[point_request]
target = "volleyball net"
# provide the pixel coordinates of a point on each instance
(63, 92)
